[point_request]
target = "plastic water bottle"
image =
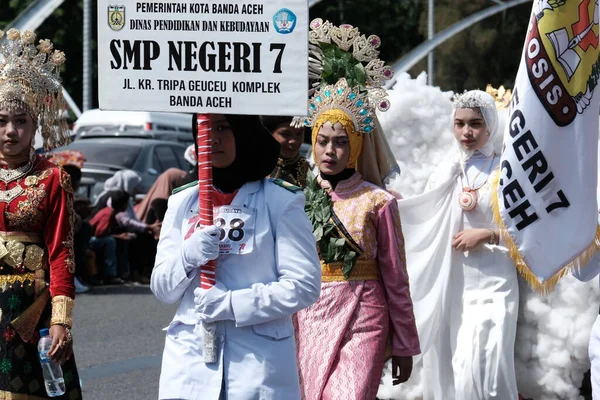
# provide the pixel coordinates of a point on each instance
(53, 375)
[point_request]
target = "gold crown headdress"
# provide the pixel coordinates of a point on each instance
(340, 96)
(29, 81)
(502, 96)
(346, 74)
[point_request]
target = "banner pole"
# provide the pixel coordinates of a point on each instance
(205, 210)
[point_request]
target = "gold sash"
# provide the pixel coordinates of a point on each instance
(26, 249)
(363, 270)
(21, 248)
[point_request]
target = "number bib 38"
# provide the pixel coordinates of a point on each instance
(237, 225)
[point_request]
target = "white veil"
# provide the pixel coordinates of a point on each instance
(487, 106)
(551, 353)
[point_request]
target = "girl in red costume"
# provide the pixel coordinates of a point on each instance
(36, 221)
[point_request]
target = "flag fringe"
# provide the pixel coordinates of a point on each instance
(543, 288)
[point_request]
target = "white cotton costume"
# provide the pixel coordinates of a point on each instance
(551, 350)
(466, 304)
(586, 274)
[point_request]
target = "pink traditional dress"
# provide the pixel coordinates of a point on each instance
(342, 338)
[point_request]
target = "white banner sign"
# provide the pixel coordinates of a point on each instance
(233, 57)
(547, 191)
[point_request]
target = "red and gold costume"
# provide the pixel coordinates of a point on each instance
(37, 264)
(36, 224)
(291, 170)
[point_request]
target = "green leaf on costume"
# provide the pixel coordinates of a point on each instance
(318, 233)
(338, 63)
(332, 246)
(328, 229)
(360, 75)
(319, 216)
(349, 262)
(327, 68)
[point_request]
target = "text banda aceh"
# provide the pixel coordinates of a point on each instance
(198, 8)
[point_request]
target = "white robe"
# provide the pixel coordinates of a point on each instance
(466, 304)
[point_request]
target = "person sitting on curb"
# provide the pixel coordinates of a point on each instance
(105, 226)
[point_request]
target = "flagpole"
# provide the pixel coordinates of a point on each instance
(430, 35)
(205, 210)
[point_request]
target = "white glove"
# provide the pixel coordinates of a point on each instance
(201, 247)
(213, 304)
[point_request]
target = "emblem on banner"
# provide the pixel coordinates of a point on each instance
(116, 17)
(284, 21)
(560, 54)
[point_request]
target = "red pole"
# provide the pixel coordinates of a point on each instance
(205, 211)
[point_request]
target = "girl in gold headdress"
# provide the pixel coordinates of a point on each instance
(36, 221)
(365, 296)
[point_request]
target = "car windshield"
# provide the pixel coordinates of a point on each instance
(107, 152)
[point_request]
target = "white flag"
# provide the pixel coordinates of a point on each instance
(548, 177)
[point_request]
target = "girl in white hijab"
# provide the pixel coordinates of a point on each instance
(125, 180)
(463, 284)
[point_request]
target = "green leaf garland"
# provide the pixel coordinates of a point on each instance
(338, 63)
(331, 245)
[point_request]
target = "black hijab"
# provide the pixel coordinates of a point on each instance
(256, 153)
(337, 178)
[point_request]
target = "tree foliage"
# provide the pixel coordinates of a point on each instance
(396, 22)
(488, 52)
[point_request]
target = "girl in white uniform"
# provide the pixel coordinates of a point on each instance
(260, 284)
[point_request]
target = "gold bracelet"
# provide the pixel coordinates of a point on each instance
(69, 335)
(492, 237)
(62, 311)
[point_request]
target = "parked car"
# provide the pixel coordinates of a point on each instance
(105, 156)
(100, 120)
(175, 136)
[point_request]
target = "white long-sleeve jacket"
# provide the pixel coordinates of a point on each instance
(282, 275)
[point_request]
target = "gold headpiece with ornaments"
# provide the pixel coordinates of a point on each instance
(501, 96)
(29, 81)
(345, 74)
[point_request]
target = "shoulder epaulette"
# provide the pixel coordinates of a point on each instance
(286, 185)
(180, 188)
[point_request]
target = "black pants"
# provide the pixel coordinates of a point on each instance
(80, 248)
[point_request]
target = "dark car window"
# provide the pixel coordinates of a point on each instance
(166, 157)
(112, 153)
(160, 127)
(181, 162)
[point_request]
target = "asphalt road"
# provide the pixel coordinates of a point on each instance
(118, 342)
